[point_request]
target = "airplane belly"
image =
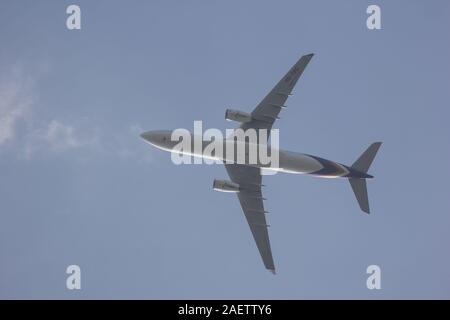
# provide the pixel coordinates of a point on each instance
(292, 162)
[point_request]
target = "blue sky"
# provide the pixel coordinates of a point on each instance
(78, 186)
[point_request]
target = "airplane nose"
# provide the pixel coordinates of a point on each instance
(156, 138)
(148, 136)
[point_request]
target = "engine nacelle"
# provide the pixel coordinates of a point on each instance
(225, 186)
(238, 116)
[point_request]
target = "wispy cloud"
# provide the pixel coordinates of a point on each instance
(55, 135)
(15, 102)
(58, 137)
(62, 137)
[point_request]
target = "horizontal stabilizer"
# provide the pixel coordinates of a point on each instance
(359, 187)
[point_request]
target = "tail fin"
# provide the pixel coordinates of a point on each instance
(365, 160)
(359, 186)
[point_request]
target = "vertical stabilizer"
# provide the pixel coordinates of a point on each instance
(365, 160)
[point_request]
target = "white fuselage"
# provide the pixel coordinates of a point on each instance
(289, 162)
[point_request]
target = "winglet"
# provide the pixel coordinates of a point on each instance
(288, 82)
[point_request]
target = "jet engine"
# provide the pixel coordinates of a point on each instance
(238, 116)
(225, 186)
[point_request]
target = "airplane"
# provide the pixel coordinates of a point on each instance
(246, 179)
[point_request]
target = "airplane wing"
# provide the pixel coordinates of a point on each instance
(251, 199)
(249, 178)
(267, 111)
